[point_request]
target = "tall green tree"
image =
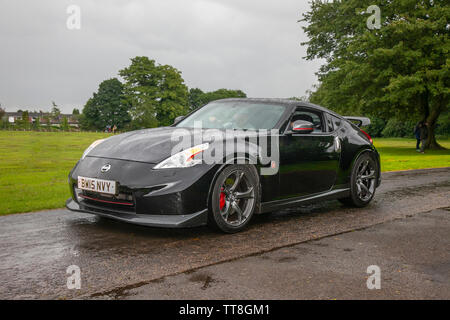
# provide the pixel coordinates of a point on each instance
(76, 114)
(108, 106)
(55, 112)
(399, 70)
(157, 93)
(65, 124)
(198, 98)
(25, 121)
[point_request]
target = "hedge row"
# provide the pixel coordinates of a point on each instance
(404, 129)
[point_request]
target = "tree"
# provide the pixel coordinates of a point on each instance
(3, 122)
(25, 122)
(48, 123)
(65, 124)
(400, 70)
(76, 114)
(36, 124)
(56, 112)
(198, 98)
(108, 106)
(157, 93)
(89, 119)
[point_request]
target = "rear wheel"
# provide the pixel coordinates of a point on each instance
(363, 182)
(234, 197)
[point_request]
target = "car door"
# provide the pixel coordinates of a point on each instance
(308, 162)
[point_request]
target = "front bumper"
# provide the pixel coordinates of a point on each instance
(172, 198)
(164, 221)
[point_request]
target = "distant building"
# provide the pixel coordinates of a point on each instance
(13, 117)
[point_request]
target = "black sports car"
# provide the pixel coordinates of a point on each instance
(263, 155)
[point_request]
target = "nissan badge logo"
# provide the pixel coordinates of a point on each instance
(105, 168)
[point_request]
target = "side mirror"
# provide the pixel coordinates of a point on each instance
(302, 127)
(178, 119)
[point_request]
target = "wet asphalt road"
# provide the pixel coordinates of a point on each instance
(413, 255)
(125, 261)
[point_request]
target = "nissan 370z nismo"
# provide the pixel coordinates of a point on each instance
(315, 154)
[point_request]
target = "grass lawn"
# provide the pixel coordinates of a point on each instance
(400, 154)
(34, 165)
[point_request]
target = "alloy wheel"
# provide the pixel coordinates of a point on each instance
(237, 195)
(365, 180)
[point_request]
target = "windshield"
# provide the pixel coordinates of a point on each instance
(235, 115)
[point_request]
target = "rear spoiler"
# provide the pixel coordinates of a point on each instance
(359, 121)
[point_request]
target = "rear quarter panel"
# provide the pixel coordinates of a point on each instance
(354, 143)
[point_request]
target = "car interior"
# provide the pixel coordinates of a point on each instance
(310, 116)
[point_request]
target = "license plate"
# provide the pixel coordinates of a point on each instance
(97, 185)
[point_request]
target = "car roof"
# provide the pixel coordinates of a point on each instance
(285, 102)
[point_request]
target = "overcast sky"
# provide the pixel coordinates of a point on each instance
(253, 45)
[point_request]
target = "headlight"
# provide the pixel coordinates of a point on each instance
(183, 159)
(92, 146)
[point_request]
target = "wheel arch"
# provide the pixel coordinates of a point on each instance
(232, 161)
(372, 153)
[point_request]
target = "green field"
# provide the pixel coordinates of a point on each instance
(34, 165)
(400, 154)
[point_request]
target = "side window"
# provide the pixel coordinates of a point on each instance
(314, 117)
(330, 125)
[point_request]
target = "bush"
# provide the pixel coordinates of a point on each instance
(443, 125)
(376, 127)
(4, 124)
(399, 129)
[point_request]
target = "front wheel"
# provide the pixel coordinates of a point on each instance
(363, 182)
(234, 197)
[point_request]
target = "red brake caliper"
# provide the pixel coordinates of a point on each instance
(222, 199)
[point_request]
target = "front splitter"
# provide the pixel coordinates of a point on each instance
(160, 221)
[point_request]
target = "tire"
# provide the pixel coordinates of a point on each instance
(234, 198)
(363, 181)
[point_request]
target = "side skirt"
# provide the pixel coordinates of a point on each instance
(292, 202)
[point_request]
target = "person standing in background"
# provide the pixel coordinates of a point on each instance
(417, 134)
(423, 136)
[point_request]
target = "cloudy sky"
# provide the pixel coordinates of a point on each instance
(253, 45)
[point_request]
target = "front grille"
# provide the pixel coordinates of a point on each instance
(122, 202)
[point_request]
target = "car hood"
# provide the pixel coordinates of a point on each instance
(156, 145)
(148, 145)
